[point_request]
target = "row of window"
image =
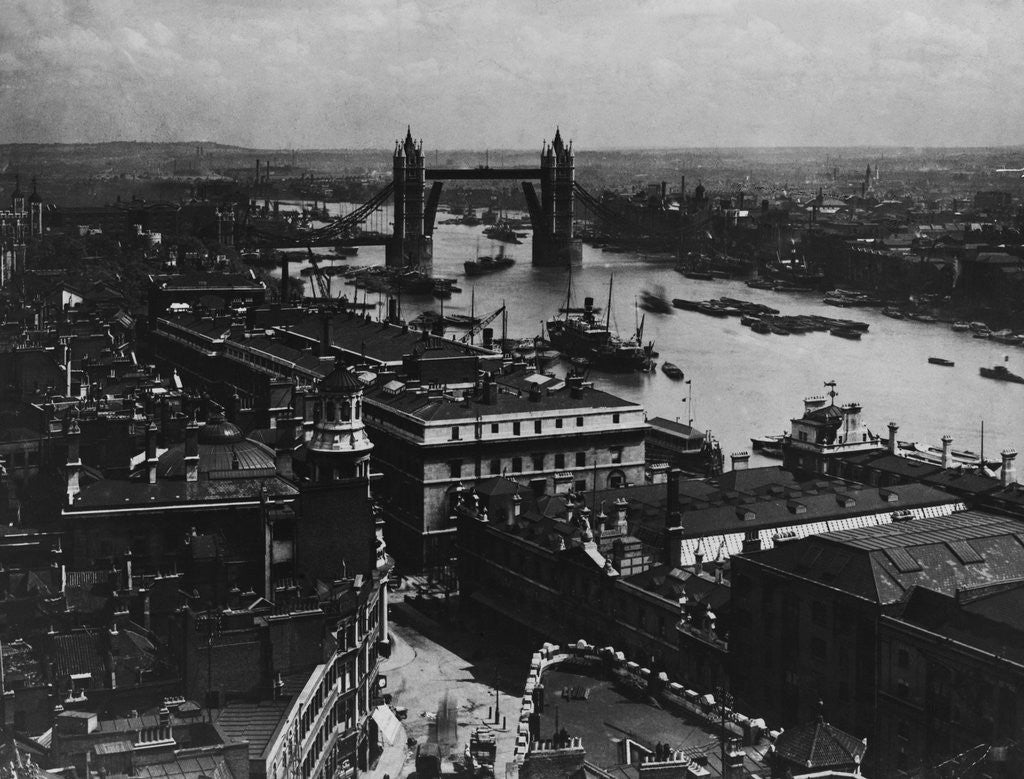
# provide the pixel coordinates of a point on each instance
(537, 461)
(538, 426)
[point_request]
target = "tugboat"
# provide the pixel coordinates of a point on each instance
(487, 264)
(1001, 373)
(585, 336)
(941, 361)
(502, 231)
(655, 301)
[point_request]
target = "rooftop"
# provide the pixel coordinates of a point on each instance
(378, 341)
(882, 563)
(253, 721)
(819, 745)
(513, 397)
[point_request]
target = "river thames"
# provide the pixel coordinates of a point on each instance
(743, 383)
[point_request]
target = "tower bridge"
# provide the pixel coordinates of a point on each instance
(551, 215)
(552, 212)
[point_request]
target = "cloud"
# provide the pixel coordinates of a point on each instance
(493, 73)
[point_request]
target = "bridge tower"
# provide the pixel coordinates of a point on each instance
(409, 244)
(553, 240)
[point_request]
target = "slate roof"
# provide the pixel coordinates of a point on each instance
(882, 563)
(992, 622)
(211, 766)
(112, 495)
(253, 721)
(341, 379)
(766, 497)
(676, 428)
(379, 341)
(671, 583)
(304, 360)
(819, 745)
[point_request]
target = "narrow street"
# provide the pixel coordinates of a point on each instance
(466, 657)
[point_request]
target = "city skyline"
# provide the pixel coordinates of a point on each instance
(484, 75)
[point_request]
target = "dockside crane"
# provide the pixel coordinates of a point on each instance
(322, 282)
(477, 328)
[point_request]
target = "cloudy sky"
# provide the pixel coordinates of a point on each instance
(501, 73)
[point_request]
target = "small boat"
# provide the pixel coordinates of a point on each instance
(778, 329)
(845, 332)
(760, 326)
(761, 284)
(671, 370)
(941, 361)
(982, 333)
(346, 251)
(699, 275)
(686, 305)
(1001, 373)
(760, 443)
(894, 313)
(960, 326)
(713, 309)
(442, 293)
(852, 324)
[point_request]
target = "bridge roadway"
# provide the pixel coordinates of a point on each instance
(481, 174)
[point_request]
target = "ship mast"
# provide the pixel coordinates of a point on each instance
(608, 311)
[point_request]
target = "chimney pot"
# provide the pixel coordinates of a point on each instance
(1008, 475)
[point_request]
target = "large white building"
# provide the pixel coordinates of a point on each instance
(547, 434)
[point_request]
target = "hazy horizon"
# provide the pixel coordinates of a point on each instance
(633, 75)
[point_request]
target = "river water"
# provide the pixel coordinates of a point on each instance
(743, 383)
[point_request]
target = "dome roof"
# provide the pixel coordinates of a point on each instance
(219, 431)
(341, 379)
(224, 453)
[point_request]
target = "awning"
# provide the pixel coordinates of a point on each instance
(388, 723)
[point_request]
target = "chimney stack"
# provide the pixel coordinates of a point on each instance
(698, 558)
(893, 429)
(621, 505)
(1009, 472)
(490, 391)
(672, 502)
(674, 542)
(192, 450)
(151, 459)
(947, 453)
(325, 335)
(740, 460)
(74, 462)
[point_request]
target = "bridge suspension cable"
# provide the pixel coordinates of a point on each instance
(344, 225)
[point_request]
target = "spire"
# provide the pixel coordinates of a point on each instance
(557, 142)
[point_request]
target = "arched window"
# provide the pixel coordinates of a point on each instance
(346, 410)
(329, 411)
(359, 408)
